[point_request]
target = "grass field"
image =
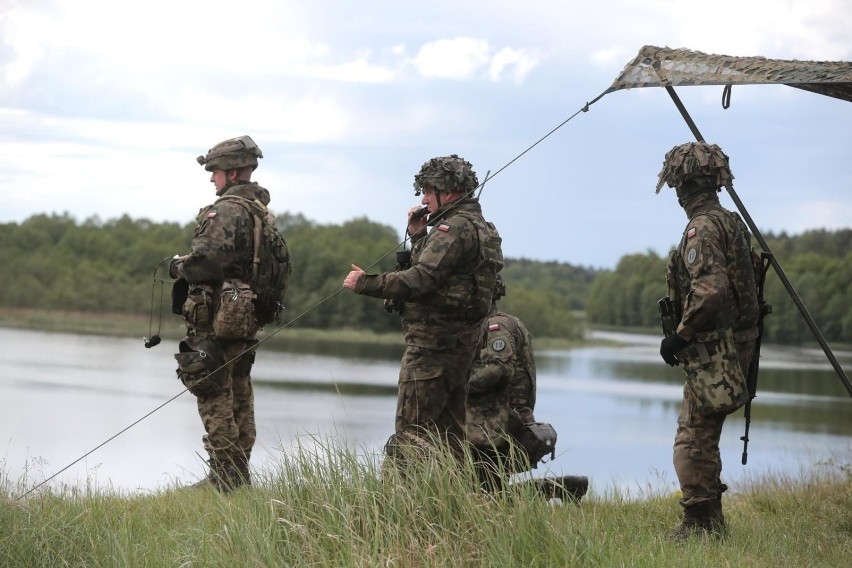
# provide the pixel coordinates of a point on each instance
(326, 507)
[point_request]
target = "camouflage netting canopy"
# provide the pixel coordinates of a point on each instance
(665, 67)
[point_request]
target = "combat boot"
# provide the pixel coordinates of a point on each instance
(222, 477)
(242, 473)
(716, 508)
(704, 519)
(567, 488)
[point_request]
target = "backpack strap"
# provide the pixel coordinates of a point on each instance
(249, 205)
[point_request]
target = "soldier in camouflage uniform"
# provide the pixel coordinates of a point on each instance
(442, 298)
(501, 400)
(711, 281)
(216, 366)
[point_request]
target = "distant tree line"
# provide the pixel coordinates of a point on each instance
(55, 262)
(818, 263)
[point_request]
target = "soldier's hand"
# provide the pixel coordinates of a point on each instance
(416, 220)
(353, 277)
(670, 345)
(173, 265)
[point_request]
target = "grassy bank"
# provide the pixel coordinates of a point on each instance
(171, 328)
(327, 507)
(135, 325)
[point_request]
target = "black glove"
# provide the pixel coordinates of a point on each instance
(671, 345)
(173, 267)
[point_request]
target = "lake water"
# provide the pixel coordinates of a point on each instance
(615, 409)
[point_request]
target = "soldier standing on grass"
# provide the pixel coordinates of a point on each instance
(442, 297)
(225, 279)
(711, 284)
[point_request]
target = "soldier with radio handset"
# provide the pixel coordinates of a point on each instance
(442, 293)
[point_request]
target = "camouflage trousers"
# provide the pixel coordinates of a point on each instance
(697, 460)
(228, 416)
(433, 390)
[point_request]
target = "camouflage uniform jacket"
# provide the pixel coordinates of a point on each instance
(502, 380)
(223, 239)
(447, 290)
(710, 275)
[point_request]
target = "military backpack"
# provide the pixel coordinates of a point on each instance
(269, 274)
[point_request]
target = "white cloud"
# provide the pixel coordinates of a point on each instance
(356, 71)
(778, 29)
(610, 56)
(516, 63)
(18, 30)
(464, 57)
(457, 58)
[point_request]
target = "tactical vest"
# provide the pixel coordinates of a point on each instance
(742, 266)
(466, 292)
(269, 273)
(489, 264)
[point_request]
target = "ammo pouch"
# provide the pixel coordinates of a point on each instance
(199, 306)
(538, 439)
(235, 317)
(713, 372)
(201, 366)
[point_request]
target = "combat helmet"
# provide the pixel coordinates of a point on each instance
(499, 289)
(700, 165)
(447, 173)
(234, 153)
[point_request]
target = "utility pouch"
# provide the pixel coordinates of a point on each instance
(199, 306)
(713, 372)
(235, 316)
(201, 366)
(487, 421)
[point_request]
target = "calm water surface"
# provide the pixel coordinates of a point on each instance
(615, 409)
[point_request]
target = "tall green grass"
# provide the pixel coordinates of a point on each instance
(326, 505)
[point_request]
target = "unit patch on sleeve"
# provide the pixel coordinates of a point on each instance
(498, 345)
(690, 255)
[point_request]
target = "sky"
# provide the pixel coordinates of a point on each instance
(105, 105)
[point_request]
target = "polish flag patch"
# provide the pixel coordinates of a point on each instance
(211, 214)
(443, 227)
(691, 233)
(493, 326)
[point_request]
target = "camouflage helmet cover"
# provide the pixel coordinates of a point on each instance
(499, 289)
(696, 161)
(234, 153)
(447, 173)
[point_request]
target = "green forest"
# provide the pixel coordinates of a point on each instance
(54, 262)
(818, 263)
